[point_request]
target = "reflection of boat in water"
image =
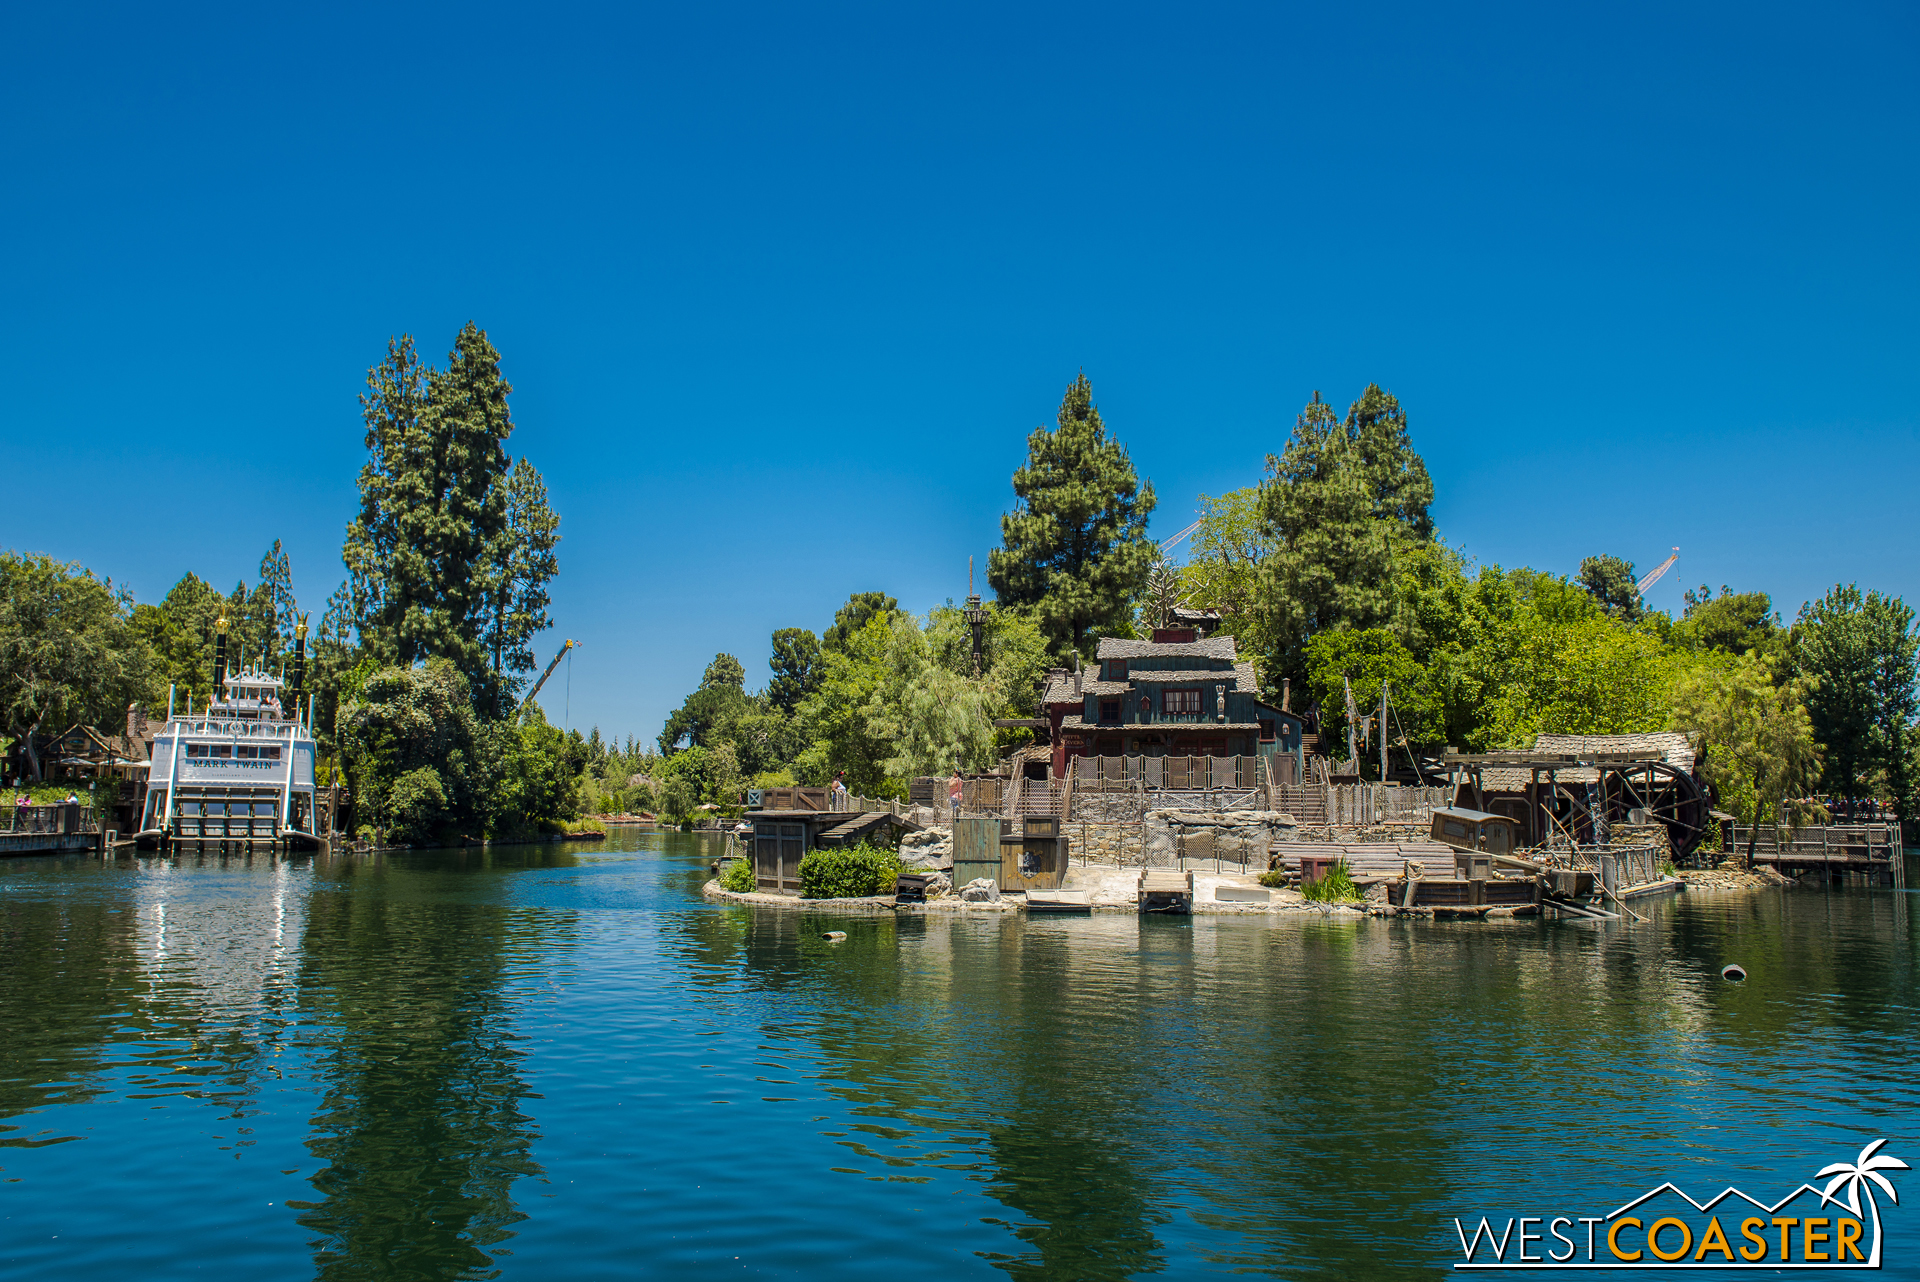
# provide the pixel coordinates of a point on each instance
(241, 772)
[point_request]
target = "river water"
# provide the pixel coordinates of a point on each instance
(543, 1062)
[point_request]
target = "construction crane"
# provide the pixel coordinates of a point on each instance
(1168, 545)
(549, 672)
(1653, 576)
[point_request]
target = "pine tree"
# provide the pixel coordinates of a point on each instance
(1076, 547)
(387, 573)
(1342, 502)
(521, 563)
(277, 606)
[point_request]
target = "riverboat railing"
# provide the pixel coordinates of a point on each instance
(58, 818)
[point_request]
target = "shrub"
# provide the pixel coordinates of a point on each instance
(848, 872)
(737, 876)
(1274, 877)
(1336, 887)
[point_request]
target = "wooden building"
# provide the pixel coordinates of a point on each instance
(782, 838)
(1178, 695)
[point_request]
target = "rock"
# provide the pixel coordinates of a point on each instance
(980, 890)
(939, 885)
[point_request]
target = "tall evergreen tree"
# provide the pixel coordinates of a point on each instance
(1075, 548)
(1863, 653)
(277, 607)
(435, 551)
(796, 668)
(1342, 504)
(853, 616)
(520, 565)
(1610, 582)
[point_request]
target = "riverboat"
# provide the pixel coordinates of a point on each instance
(241, 771)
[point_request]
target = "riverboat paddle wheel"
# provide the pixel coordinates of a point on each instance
(1670, 796)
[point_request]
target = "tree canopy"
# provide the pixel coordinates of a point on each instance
(1075, 548)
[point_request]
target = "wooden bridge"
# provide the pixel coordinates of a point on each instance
(1872, 850)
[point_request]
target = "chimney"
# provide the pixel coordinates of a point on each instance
(1286, 694)
(1079, 678)
(219, 660)
(299, 665)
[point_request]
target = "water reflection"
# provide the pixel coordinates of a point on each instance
(421, 1126)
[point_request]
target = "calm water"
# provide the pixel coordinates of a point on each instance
(540, 1063)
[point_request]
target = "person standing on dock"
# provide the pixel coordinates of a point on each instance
(953, 794)
(840, 791)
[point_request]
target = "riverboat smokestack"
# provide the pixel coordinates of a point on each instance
(299, 664)
(219, 658)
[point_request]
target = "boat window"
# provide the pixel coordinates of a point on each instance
(196, 750)
(221, 750)
(271, 752)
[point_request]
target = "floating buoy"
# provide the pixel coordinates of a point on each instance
(1733, 974)
(834, 936)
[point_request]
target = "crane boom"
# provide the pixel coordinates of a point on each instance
(1653, 576)
(1168, 545)
(549, 672)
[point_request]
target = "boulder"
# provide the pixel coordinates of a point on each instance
(980, 890)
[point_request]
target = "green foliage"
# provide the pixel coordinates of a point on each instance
(1334, 887)
(1075, 549)
(1610, 582)
(848, 872)
(860, 609)
(1370, 658)
(1760, 749)
(451, 551)
(1343, 503)
(1226, 552)
(1274, 878)
(1863, 654)
(833, 720)
(697, 722)
(933, 718)
(1733, 622)
(795, 663)
(68, 651)
(736, 875)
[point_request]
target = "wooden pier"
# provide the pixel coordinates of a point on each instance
(62, 829)
(1872, 852)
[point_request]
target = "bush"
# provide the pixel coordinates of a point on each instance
(1274, 877)
(737, 876)
(1335, 888)
(848, 872)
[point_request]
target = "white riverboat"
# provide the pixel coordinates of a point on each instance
(241, 771)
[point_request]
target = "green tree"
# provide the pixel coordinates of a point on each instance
(279, 611)
(699, 720)
(853, 616)
(1860, 650)
(932, 718)
(1233, 541)
(1075, 549)
(1610, 582)
(833, 721)
(796, 657)
(1733, 622)
(1164, 594)
(1369, 659)
(412, 742)
(68, 651)
(1760, 749)
(1342, 504)
(421, 556)
(519, 566)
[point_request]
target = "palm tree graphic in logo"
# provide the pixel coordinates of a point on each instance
(1855, 1176)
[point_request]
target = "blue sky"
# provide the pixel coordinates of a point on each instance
(782, 288)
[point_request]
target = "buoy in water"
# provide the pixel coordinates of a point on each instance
(834, 936)
(1733, 974)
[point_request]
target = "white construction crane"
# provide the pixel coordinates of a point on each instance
(1168, 545)
(1653, 576)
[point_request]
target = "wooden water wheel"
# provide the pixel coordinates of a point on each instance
(1670, 796)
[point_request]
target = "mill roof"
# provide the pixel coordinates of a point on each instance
(1675, 747)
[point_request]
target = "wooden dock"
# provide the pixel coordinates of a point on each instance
(1162, 890)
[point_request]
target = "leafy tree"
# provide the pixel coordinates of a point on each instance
(795, 662)
(1860, 650)
(932, 718)
(436, 565)
(1075, 549)
(1342, 504)
(1758, 736)
(1733, 622)
(833, 721)
(520, 564)
(1610, 582)
(1163, 594)
(1223, 572)
(853, 616)
(719, 700)
(411, 739)
(1371, 658)
(1582, 676)
(68, 651)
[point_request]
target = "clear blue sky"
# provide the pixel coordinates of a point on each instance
(783, 288)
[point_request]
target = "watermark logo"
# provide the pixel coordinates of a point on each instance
(1837, 1227)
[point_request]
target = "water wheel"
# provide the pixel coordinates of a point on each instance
(1670, 796)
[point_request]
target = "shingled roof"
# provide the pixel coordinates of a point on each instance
(1059, 688)
(1211, 648)
(1675, 747)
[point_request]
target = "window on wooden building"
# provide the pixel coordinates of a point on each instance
(1266, 730)
(1110, 711)
(1181, 702)
(1116, 670)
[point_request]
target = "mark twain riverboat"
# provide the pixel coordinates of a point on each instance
(240, 772)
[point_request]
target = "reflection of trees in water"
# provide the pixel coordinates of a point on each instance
(66, 971)
(420, 1128)
(914, 1035)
